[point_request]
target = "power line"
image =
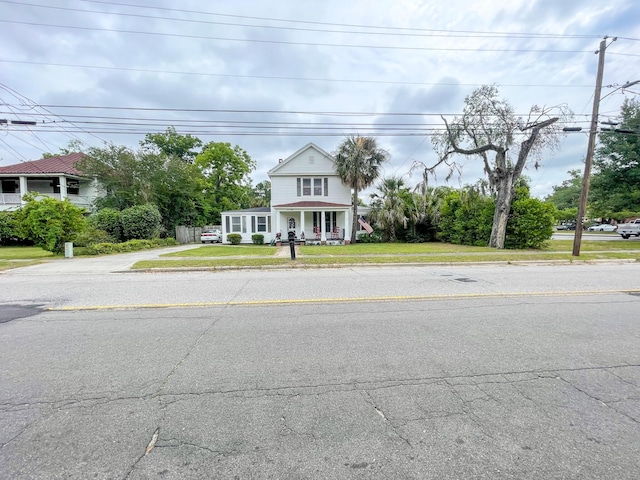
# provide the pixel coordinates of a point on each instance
(310, 44)
(424, 33)
(346, 25)
(271, 77)
(292, 112)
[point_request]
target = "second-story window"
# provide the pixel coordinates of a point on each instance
(306, 187)
(316, 187)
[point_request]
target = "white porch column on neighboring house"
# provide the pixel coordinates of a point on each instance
(23, 188)
(63, 187)
(301, 223)
(323, 234)
(277, 219)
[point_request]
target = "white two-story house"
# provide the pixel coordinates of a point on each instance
(307, 198)
(55, 177)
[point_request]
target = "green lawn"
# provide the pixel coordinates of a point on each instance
(23, 253)
(340, 260)
(12, 257)
(390, 249)
(225, 251)
(587, 245)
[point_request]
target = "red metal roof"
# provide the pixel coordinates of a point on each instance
(64, 164)
(310, 204)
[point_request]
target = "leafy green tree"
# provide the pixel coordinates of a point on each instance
(177, 190)
(489, 126)
(262, 194)
(567, 194)
(227, 183)
(123, 178)
(49, 222)
(135, 178)
(388, 207)
(615, 185)
(172, 144)
(358, 162)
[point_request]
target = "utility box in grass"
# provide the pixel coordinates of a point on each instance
(68, 249)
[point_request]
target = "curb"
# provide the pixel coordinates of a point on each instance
(294, 266)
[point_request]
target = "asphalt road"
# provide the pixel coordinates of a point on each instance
(413, 372)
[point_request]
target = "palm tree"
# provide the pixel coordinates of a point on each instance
(358, 162)
(389, 210)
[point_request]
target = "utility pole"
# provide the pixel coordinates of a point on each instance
(588, 161)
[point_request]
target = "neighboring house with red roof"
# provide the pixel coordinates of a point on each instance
(307, 197)
(55, 177)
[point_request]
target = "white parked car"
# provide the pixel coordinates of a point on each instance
(603, 227)
(213, 236)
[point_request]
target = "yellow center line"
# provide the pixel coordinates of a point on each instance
(303, 301)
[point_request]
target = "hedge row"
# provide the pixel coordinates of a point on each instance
(129, 246)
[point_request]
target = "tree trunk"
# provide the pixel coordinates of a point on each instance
(504, 197)
(354, 225)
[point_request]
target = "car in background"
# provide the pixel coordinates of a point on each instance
(213, 236)
(567, 226)
(603, 227)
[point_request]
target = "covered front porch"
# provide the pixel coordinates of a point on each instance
(77, 190)
(317, 224)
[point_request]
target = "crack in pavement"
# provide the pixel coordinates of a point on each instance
(369, 399)
(311, 389)
(606, 404)
(189, 351)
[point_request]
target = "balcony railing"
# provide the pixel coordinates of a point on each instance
(9, 199)
(16, 198)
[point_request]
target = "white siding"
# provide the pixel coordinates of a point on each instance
(308, 162)
(285, 190)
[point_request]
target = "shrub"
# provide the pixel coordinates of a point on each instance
(130, 246)
(140, 222)
(108, 219)
(49, 222)
(375, 237)
(530, 224)
(234, 238)
(257, 239)
(91, 236)
(466, 218)
(9, 229)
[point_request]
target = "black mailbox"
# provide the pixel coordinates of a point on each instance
(292, 244)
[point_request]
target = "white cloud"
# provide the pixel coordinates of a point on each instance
(425, 72)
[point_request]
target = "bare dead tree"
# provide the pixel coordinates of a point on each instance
(506, 143)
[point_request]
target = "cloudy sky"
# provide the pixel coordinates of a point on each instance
(274, 76)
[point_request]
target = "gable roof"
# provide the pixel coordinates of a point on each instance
(282, 163)
(64, 164)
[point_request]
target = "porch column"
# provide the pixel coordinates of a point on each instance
(23, 188)
(63, 187)
(323, 233)
(277, 219)
(302, 223)
(347, 226)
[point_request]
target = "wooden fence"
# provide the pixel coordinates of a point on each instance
(192, 234)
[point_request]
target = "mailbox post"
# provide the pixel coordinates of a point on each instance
(292, 244)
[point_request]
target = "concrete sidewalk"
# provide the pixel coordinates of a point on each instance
(96, 264)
